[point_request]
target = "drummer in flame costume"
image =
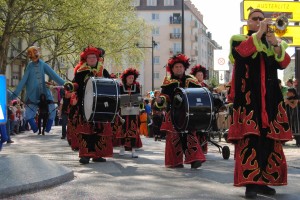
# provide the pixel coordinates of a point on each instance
(179, 144)
(95, 140)
(259, 123)
(199, 72)
(70, 95)
(129, 136)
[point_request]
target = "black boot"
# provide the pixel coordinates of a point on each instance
(99, 159)
(264, 189)
(196, 164)
(84, 160)
(43, 131)
(250, 192)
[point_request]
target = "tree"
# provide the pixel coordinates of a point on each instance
(64, 27)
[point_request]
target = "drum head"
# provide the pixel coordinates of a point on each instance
(195, 112)
(101, 100)
(179, 110)
(88, 99)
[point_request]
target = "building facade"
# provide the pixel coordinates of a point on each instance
(166, 19)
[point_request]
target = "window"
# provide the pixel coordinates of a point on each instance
(156, 59)
(155, 16)
(136, 3)
(155, 31)
(157, 46)
(169, 2)
(156, 75)
(14, 79)
(151, 2)
(175, 18)
(177, 48)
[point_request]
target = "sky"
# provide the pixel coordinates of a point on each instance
(223, 19)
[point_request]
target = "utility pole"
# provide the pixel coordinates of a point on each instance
(297, 62)
(182, 26)
(153, 44)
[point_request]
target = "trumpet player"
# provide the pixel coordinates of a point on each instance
(259, 125)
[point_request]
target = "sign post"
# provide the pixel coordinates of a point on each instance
(3, 100)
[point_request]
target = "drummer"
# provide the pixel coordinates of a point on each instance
(95, 140)
(199, 72)
(128, 136)
(179, 144)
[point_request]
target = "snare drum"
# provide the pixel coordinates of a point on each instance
(101, 100)
(195, 112)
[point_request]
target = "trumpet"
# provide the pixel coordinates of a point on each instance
(279, 26)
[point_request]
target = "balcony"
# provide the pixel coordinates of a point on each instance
(174, 51)
(175, 35)
(175, 20)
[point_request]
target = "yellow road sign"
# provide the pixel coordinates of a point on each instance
(291, 35)
(272, 9)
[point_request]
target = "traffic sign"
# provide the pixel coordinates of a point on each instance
(291, 35)
(272, 9)
(3, 100)
(221, 60)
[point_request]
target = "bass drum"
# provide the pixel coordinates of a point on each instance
(101, 100)
(194, 111)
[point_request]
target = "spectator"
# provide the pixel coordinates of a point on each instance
(15, 118)
(289, 83)
(283, 89)
(292, 102)
(43, 113)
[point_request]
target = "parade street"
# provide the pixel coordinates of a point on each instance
(123, 177)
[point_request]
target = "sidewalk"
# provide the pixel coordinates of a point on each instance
(23, 170)
(37, 163)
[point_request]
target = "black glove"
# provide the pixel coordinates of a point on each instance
(177, 100)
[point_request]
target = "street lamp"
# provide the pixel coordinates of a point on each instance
(153, 44)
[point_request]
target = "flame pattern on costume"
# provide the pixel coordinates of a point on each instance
(178, 145)
(253, 172)
(259, 124)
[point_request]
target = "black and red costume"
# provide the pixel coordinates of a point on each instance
(129, 136)
(95, 139)
(179, 144)
(201, 136)
(259, 124)
(158, 109)
(199, 68)
(72, 117)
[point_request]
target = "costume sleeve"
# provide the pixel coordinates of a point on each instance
(21, 83)
(249, 46)
(284, 59)
(138, 88)
(53, 75)
(106, 74)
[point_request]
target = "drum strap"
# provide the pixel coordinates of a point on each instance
(130, 90)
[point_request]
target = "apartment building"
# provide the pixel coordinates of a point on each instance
(165, 17)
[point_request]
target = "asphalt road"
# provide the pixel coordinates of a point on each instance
(141, 178)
